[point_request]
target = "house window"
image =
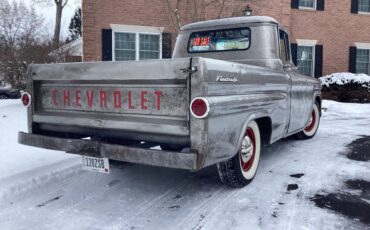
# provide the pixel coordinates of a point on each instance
(362, 61)
(307, 4)
(149, 46)
(364, 5)
(125, 46)
(305, 60)
(136, 46)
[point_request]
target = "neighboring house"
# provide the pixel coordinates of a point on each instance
(326, 36)
(71, 52)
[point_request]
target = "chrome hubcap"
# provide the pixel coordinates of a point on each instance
(247, 149)
(310, 121)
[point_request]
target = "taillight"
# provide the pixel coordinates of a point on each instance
(26, 99)
(199, 107)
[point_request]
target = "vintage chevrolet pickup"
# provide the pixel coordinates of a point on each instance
(230, 88)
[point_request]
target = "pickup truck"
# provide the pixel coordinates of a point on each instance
(230, 89)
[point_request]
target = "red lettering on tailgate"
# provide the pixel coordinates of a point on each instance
(158, 94)
(89, 97)
(143, 100)
(103, 99)
(54, 97)
(130, 106)
(117, 98)
(108, 98)
(66, 98)
(78, 98)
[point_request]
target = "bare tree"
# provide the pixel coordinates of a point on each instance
(22, 41)
(180, 12)
(59, 4)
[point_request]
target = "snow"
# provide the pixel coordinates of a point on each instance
(43, 189)
(345, 78)
(15, 158)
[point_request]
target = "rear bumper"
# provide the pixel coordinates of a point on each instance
(179, 160)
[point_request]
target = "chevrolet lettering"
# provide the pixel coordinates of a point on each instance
(105, 99)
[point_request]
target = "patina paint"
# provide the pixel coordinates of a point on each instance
(149, 100)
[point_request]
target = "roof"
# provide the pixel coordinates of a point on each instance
(229, 21)
(73, 48)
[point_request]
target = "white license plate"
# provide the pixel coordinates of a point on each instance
(95, 164)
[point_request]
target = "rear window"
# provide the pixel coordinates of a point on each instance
(219, 40)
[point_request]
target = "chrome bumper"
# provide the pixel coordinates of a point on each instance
(179, 160)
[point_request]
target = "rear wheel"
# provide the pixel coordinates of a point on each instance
(3, 97)
(312, 124)
(240, 170)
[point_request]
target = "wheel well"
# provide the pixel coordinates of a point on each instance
(265, 127)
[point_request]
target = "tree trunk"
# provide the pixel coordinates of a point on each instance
(58, 19)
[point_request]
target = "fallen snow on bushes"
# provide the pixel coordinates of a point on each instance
(345, 78)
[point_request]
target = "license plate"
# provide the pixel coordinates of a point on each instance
(95, 164)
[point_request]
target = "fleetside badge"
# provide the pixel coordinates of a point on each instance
(226, 79)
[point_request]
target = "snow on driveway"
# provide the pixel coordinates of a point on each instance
(19, 163)
(43, 189)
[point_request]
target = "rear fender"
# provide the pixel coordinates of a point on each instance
(250, 118)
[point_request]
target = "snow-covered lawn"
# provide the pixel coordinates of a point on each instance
(42, 189)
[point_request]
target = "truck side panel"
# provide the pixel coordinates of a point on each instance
(258, 92)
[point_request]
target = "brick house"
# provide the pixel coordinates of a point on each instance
(326, 36)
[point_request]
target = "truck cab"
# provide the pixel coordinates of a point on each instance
(267, 45)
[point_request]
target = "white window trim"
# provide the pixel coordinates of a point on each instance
(363, 12)
(306, 42)
(308, 8)
(309, 43)
(362, 46)
(137, 30)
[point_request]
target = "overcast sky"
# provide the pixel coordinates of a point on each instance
(48, 12)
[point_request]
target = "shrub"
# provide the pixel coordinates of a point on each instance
(346, 87)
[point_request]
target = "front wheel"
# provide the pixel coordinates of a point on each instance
(240, 170)
(312, 124)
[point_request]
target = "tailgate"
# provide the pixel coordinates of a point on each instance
(140, 97)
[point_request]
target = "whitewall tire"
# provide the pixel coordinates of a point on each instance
(312, 125)
(241, 169)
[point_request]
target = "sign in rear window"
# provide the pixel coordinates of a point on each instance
(219, 40)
